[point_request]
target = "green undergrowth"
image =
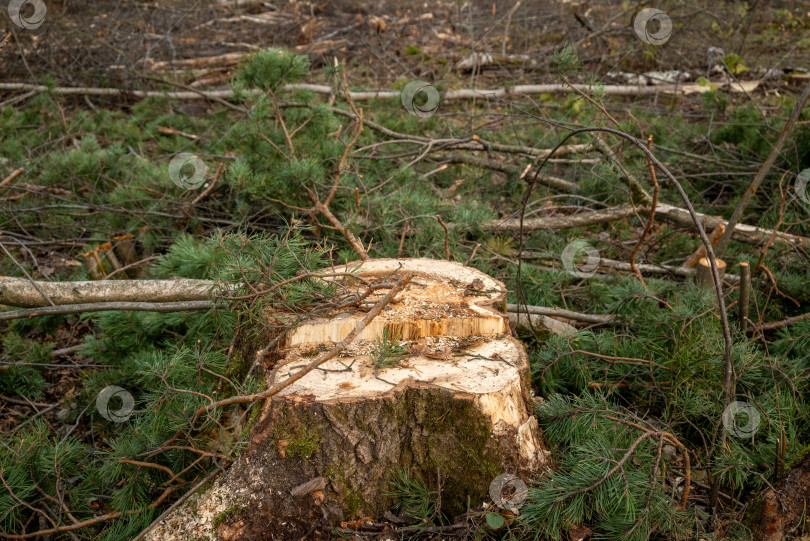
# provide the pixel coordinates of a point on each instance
(171, 365)
(93, 176)
(661, 370)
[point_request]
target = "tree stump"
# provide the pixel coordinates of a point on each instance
(703, 275)
(452, 410)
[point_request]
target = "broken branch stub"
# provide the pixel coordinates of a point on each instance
(435, 386)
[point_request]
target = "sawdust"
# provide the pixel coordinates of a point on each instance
(424, 298)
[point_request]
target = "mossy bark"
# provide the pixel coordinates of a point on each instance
(438, 436)
(454, 413)
(781, 514)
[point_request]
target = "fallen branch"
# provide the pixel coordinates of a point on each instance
(216, 61)
(503, 167)
(609, 214)
(748, 234)
(180, 306)
(172, 131)
(21, 292)
(490, 146)
(147, 295)
(650, 268)
(470, 143)
(559, 312)
(779, 324)
(653, 268)
(763, 171)
(462, 94)
(14, 174)
(538, 324)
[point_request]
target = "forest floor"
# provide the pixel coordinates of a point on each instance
(94, 195)
(110, 43)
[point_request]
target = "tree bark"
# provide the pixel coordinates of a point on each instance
(744, 233)
(461, 94)
(703, 274)
(779, 512)
(23, 293)
(454, 412)
(610, 214)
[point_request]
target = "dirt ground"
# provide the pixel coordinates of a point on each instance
(134, 44)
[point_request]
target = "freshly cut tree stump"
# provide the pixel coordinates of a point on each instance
(703, 276)
(449, 404)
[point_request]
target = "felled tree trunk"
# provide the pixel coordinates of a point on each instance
(454, 412)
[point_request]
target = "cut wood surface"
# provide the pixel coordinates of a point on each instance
(434, 306)
(703, 276)
(455, 403)
(700, 253)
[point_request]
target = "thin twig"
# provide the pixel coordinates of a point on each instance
(446, 237)
(472, 255)
(210, 187)
(28, 276)
(132, 265)
(340, 346)
(651, 220)
(323, 209)
(14, 174)
(763, 171)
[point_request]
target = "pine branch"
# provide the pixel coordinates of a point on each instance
(763, 171)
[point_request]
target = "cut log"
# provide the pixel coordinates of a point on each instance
(451, 408)
(703, 276)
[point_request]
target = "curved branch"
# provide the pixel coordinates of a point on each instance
(728, 390)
